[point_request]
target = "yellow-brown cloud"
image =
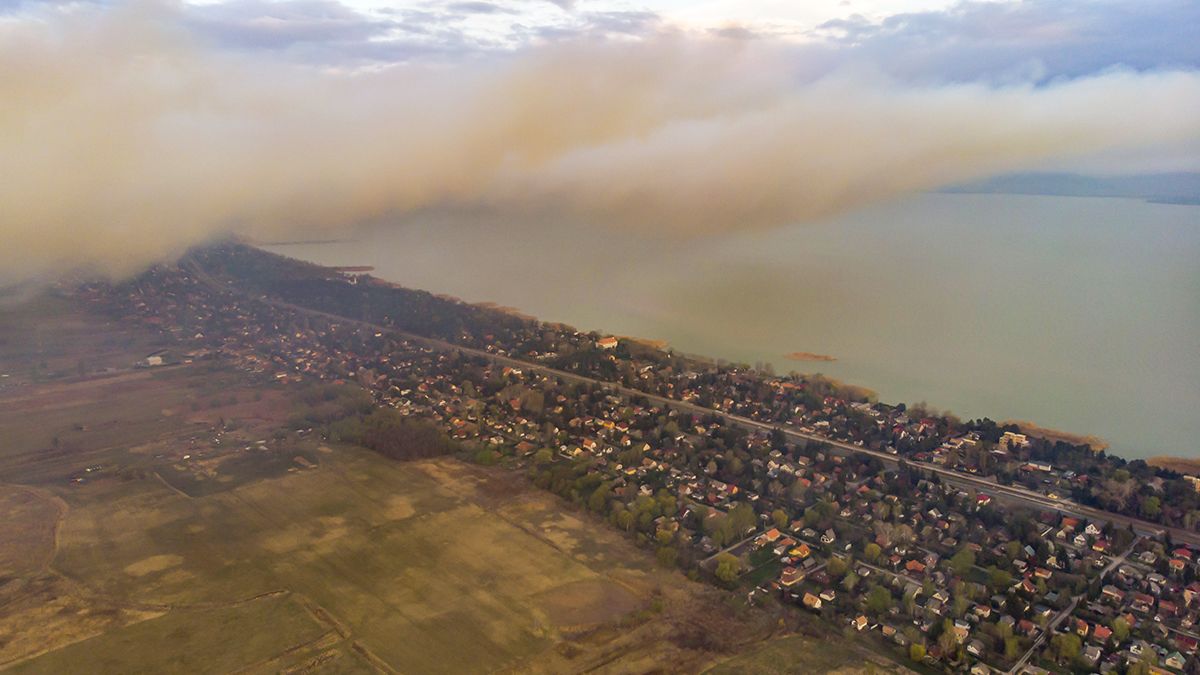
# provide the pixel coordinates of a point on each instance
(122, 143)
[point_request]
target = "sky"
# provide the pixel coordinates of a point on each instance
(130, 130)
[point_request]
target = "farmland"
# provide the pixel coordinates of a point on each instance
(159, 519)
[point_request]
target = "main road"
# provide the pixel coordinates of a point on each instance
(1008, 493)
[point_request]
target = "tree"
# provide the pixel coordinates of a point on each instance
(850, 581)
(1067, 646)
(728, 567)
(871, 552)
(999, 579)
(1120, 629)
(1012, 648)
(916, 652)
(879, 600)
(948, 640)
(598, 502)
(780, 517)
(742, 519)
(664, 536)
(667, 556)
(625, 519)
(963, 561)
(1151, 507)
(835, 568)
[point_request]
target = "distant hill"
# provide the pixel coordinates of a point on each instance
(1171, 188)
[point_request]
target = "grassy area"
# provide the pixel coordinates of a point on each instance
(192, 641)
(51, 336)
(800, 655)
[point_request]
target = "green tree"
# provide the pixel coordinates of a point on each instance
(835, 568)
(916, 652)
(850, 581)
(963, 561)
(1120, 629)
(664, 536)
(598, 501)
(728, 567)
(1151, 507)
(742, 519)
(1067, 646)
(871, 552)
(879, 600)
(780, 518)
(625, 519)
(999, 579)
(1012, 648)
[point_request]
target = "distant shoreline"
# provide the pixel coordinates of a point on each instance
(809, 356)
(661, 345)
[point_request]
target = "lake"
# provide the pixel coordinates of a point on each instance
(1079, 314)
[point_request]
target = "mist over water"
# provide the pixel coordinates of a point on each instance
(1078, 314)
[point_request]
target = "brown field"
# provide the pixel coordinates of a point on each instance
(52, 336)
(138, 535)
(30, 526)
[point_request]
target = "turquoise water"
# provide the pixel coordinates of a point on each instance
(1076, 313)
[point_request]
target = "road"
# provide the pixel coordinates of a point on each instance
(1058, 618)
(1007, 492)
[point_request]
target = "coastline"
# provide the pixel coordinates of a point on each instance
(1183, 465)
(1029, 428)
(844, 389)
(809, 356)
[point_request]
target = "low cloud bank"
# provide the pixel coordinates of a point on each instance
(123, 141)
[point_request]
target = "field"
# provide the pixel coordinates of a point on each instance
(154, 521)
(799, 655)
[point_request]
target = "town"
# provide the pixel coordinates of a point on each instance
(961, 546)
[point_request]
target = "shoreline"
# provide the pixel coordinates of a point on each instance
(847, 390)
(809, 356)
(1182, 465)
(1031, 429)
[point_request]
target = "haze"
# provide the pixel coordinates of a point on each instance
(127, 137)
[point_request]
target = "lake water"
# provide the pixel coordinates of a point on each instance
(1076, 313)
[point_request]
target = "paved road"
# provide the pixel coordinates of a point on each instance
(1050, 628)
(1008, 493)
(1058, 618)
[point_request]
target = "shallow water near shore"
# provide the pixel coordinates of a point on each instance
(1079, 314)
